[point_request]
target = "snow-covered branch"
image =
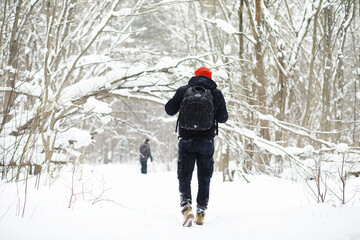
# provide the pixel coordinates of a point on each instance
(92, 37)
(262, 143)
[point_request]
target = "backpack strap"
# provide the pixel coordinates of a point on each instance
(177, 121)
(216, 127)
(216, 122)
(177, 124)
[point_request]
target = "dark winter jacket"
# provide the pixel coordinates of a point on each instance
(221, 114)
(145, 152)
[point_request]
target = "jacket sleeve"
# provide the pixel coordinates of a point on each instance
(173, 105)
(221, 114)
(150, 156)
(148, 152)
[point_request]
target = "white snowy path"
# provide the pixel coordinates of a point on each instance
(129, 205)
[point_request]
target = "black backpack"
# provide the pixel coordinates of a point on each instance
(196, 109)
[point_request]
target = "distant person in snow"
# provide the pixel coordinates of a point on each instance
(201, 105)
(145, 153)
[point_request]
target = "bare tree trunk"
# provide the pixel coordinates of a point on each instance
(241, 37)
(47, 76)
(326, 90)
(355, 101)
(338, 89)
(1, 33)
(246, 82)
(339, 82)
(257, 89)
(259, 71)
(282, 83)
(311, 79)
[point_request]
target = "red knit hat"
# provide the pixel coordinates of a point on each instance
(203, 71)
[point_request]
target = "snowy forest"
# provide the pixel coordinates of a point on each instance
(86, 81)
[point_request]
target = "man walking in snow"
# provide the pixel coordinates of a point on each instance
(145, 153)
(201, 105)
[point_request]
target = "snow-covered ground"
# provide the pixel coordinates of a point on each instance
(117, 202)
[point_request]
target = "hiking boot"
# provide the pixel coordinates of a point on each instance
(200, 214)
(188, 216)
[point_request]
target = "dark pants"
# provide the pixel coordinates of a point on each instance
(143, 163)
(200, 151)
